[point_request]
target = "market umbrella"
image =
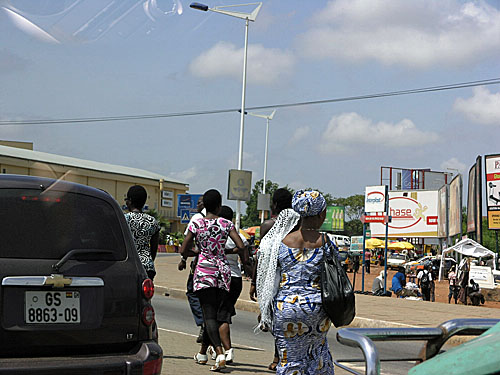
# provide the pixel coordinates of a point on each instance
(407, 245)
(396, 246)
(251, 230)
(245, 234)
(372, 243)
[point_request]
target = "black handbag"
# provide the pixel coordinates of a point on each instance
(337, 294)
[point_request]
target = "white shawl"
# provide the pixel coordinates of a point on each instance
(267, 275)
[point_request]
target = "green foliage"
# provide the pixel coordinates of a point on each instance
(489, 240)
(251, 218)
(354, 207)
(353, 228)
(165, 237)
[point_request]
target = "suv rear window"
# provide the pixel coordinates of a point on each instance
(47, 224)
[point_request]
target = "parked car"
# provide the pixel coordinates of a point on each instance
(417, 265)
(74, 297)
(396, 260)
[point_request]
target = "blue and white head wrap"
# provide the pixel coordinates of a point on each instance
(308, 202)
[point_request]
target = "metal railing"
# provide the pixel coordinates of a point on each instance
(363, 338)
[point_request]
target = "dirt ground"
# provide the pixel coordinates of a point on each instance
(441, 290)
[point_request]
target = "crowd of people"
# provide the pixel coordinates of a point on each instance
(291, 251)
(425, 287)
(285, 276)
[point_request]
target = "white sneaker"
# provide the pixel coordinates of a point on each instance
(230, 355)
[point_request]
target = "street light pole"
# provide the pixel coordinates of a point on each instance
(270, 117)
(247, 17)
(242, 121)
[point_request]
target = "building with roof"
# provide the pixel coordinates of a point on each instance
(19, 158)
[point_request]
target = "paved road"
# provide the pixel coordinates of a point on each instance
(176, 325)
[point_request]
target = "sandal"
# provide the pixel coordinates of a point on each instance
(229, 356)
(273, 365)
(201, 359)
(211, 352)
(220, 363)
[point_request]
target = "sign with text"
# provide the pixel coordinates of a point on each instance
(187, 202)
(240, 185)
(413, 213)
(367, 219)
(455, 206)
(375, 198)
(492, 169)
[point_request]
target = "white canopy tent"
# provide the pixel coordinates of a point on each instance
(469, 248)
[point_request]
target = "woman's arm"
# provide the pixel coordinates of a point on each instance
(187, 245)
(237, 240)
(153, 244)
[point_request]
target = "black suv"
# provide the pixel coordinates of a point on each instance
(74, 296)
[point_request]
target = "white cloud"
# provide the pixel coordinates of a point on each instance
(351, 129)
(483, 107)
(186, 175)
(452, 164)
(415, 33)
(265, 65)
(299, 134)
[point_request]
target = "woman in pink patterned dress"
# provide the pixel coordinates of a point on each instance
(212, 275)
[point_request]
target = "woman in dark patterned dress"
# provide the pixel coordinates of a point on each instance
(145, 229)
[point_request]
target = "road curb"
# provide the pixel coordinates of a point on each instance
(358, 322)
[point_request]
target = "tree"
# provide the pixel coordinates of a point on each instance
(354, 208)
(251, 217)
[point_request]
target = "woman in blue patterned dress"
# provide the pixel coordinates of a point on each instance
(300, 324)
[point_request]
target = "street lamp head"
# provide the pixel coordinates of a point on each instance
(199, 6)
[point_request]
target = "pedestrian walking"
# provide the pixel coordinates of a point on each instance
(193, 300)
(282, 200)
(236, 284)
(145, 228)
(424, 278)
(452, 279)
(435, 274)
(293, 307)
(212, 276)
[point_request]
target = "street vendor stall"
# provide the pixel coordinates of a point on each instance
(469, 248)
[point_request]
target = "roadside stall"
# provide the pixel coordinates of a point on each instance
(469, 248)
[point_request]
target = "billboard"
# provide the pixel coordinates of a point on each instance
(471, 200)
(239, 186)
(443, 211)
(414, 214)
(375, 198)
(492, 170)
(335, 217)
(455, 206)
(479, 200)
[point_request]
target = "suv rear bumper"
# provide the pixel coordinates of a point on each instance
(106, 364)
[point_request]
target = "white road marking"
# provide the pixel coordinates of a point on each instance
(191, 335)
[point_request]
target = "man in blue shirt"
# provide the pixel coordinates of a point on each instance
(399, 282)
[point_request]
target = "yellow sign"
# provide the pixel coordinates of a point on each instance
(240, 185)
(493, 219)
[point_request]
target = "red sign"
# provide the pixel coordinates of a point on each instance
(373, 219)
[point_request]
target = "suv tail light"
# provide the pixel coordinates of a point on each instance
(152, 367)
(148, 288)
(148, 315)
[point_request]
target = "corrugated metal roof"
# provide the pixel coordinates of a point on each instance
(45, 157)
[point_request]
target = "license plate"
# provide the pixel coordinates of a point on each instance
(52, 307)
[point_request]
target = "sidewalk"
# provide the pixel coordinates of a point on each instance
(374, 312)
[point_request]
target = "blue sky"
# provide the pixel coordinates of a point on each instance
(137, 59)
